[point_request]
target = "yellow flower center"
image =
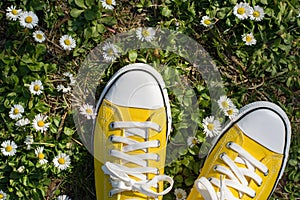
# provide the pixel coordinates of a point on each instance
(28, 19)
(145, 33)
(1, 196)
(256, 14)
(241, 11)
(108, 2)
(207, 22)
(8, 148)
(39, 36)
(248, 38)
(41, 123)
(194, 141)
(230, 112)
(41, 156)
(67, 42)
(225, 104)
(36, 88)
(16, 111)
(210, 127)
(110, 52)
(14, 12)
(61, 161)
(179, 196)
(89, 111)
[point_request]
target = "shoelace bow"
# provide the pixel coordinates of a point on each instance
(120, 174)
(237, 176)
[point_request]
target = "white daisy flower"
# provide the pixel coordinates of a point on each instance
(28, 141)
(62, 88)
(224, 103)
(110, 52)
(22, 122)
(28, 19)
(12, 13)
(62, 161)
(36, 87)
(41, 156)
(2, 195)
(242, 10)
(180, 194)
(249, 39)
(257, 13)
(192, 141)
(71, 77)
(146, 34)
(108, 4)
(88, 111)
(67, 42)
(231, 112)
(211, 126)
(63, 197)
(9, 148)
(39, 123)
(206, 21)
(39, 36)
(16, 111)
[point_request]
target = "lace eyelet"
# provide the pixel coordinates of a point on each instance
(112, 125)
(215, 167)
(157, 171)
(110, 138)
(158, 143)
(260, 184)
(266, 173)
(222, 155)
(229, 144)
(158, 158)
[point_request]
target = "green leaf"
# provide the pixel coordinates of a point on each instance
(264, 2)
(101, 28)
(89, 14)
(90, 3)
(80, 3)
(68, 131)
(42, 107)
(189, 181)
(166, 12)
(76, 12)
(110, 21)
(132, 55)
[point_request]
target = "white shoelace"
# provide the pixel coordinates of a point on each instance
(237, 176)
(119, 174)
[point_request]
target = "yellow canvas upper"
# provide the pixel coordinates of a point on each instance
(272, 160)
(109, 112)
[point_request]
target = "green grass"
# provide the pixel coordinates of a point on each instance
(268, 70)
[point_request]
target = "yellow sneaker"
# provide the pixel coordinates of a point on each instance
(248, 158)
(131, 131)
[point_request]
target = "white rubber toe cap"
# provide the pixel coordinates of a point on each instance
(138, 89)
(266, 127)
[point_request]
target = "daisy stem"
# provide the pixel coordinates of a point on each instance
(44, 143)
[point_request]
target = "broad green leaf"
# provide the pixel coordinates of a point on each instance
(101, 28)
(89, 14)
(90, 3)
(166, 11)
(68, 131)
(132, 55)
(76, 12)
(80, 3)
